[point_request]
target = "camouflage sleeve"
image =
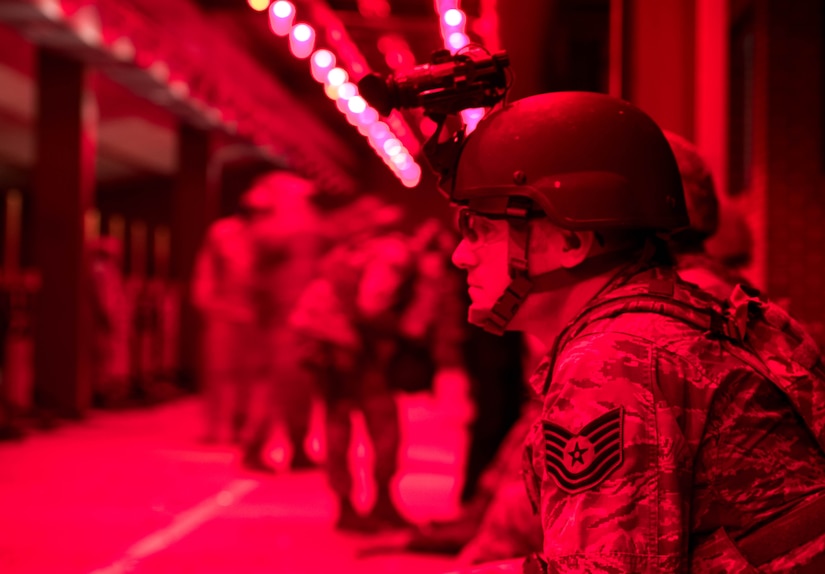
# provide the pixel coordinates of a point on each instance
(612, 462)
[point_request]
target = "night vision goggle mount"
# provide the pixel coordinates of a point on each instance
(448, 84)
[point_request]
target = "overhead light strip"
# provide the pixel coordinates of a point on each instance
(338, 88)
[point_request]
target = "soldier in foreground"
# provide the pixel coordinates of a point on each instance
(677, 433)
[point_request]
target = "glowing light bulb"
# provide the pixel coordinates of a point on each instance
(259, 5)
(322, 62)
(393, 147)
(379, 131)
(368, 116)
(331, 91)
(283, 9)
(471, 118)
(412, 173)
(337, 77)
(357, 104)
(457, 40)
(301, 40)
(302, 32)
(281, 15)
(402, 161)
(453, 18)
(347, 90)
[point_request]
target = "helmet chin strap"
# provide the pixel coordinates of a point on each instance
(496, 319)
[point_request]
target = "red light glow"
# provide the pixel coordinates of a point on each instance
(347, 90)
(402, 161)
(302, 40)
(281, 16)
(454, 18)
(457, 40)
(379, 132)
(337, 77)
(393, 147)
(322, 62)
(368, 117)
(471, 118)
(357, 104)
(259, 5)
(331, 91)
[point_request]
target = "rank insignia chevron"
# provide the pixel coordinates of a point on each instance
(578, 462)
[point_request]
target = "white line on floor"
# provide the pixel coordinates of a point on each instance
(183, 524)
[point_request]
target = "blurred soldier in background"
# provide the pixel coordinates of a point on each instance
(694, 263)
(288, 247)
(222, 292)
(111, 373)
(373, 315)
(352, 313)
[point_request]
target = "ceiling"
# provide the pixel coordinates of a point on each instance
(410, 24)
(137, 138)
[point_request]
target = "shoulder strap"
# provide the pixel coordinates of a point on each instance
(775, 345)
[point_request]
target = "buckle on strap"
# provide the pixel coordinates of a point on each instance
(517, 243)
(510, 301)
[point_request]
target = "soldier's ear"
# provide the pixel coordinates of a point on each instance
(577, 245)
(571, 240)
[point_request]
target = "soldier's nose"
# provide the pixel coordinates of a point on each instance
(463, 256)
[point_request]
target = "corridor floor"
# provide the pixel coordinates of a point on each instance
(135, 491)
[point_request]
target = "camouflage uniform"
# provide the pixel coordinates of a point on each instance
(350, 357)
(656, 448)
(284, 263)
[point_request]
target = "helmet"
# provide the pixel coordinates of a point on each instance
(587, 160)
(285, 185)
(259, 199)
(697, 181)
(276, 189)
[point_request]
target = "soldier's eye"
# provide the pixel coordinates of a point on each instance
(466, 224)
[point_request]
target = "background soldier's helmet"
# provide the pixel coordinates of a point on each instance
(588, 161)
(700, 192)
(259, 200)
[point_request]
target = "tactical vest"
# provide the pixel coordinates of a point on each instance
(764, 337)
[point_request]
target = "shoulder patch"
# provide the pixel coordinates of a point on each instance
(580, 461)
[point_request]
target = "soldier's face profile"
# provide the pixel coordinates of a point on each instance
(482, 252)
